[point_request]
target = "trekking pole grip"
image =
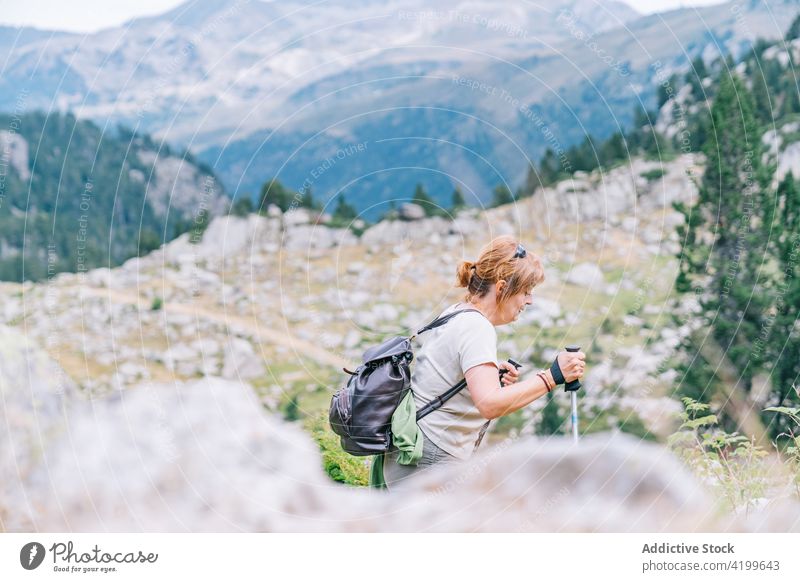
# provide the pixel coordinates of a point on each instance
(514, 363)
(575, 385)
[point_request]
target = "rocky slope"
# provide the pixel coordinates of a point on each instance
(283, 303)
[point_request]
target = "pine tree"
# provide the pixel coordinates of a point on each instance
(308, 201)
(724, 247)
(613, 150)
(243, 206)
(551, 421)
(457, 201)
(695, 76)
(794, 29)
(549, 169)
(785, 345)
(343, 210)
(422, 198)
(273, 192)
(502, 195)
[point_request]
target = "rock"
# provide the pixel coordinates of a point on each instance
(352, 339)
(585, 275)
(629, 224)
(611, 483)
(356, 298)
(296, 217)
(542, 312)
(14, 151)
(12, 309)
(410, 211)
(651, 235)
(314, 236)
(200, 457)
(393, 232)
(241, 361)
(179, 186)
(204, 456)
(227, 237)
(206, 346)
(101, 277)
(385, 312)
(355, 268)
(34, 392)
(789, 161)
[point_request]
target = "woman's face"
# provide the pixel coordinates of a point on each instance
(515, 305)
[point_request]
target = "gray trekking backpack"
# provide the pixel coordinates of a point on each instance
(361, 412)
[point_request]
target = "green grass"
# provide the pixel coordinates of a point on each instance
(339, 465)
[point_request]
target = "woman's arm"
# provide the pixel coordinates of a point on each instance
(492, 401)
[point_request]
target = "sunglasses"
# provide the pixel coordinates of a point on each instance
(520, 252)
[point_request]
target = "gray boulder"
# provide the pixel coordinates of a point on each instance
(410, 211)
(34, 392)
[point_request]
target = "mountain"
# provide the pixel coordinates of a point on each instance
(466, 93)
(241, 62)
(434, 127)
(74, 197)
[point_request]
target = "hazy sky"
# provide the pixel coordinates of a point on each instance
(91, 15)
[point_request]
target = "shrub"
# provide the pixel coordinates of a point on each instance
(653, 175)
(792, 437)
(732, 464)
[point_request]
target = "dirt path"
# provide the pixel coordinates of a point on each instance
(234, 323)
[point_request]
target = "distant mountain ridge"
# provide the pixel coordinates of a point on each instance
(273, 89)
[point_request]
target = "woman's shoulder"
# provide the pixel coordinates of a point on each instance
(471, 319)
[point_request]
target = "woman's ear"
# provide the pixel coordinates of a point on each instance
(500, 285)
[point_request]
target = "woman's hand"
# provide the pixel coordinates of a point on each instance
(572, 364)
(511, 375)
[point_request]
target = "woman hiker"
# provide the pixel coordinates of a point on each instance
(499, 286)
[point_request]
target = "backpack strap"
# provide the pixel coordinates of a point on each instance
(442, 320)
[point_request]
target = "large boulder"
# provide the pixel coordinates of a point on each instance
(195, 457)
(34, 392)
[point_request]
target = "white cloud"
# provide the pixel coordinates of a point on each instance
(650, 6)
(93, 15)
(79, 15)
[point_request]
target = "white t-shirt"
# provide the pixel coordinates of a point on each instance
(467, 340)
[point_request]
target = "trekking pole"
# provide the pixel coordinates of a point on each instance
(572, 388)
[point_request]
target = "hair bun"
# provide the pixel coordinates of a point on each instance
(464, 272)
